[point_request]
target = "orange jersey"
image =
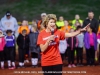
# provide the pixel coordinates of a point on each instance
(39, 24)
(99, 29)
(52, 55)
(21, 28)
(66, 29)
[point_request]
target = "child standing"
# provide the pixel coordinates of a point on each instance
(25, 26)
(90, 40)
(23, 45)
(98, 40)
(80, 38)
(34, 48)
(2, 44)
(72, 43)
(10, 43)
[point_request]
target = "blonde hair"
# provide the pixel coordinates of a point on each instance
(47, 18)
(25, 22)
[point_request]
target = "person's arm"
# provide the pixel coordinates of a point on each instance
(76, 32)
(2, 26)
(15, 25)
(45, 46)
(18, 40)
(72, 34)
(14, 40)
(3, 42)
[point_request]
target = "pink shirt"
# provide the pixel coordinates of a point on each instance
(98, 35)
(2, 43)
(91, 40)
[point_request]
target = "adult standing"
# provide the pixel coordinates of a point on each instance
(94, 24)
(8, 22)
(48, 40)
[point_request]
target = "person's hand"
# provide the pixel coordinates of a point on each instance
(84, 29)
(51, 38)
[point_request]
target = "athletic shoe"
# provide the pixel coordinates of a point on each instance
(13, 67)
(26, 61)
(69, 66)
(78, 64)
(9, 67)
(73, 65)
(34, 66)
(21, 67)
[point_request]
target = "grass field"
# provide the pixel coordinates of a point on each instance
(31, 9)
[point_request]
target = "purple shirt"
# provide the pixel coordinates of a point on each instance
(87, 41)
(10, 41)
(91, 40)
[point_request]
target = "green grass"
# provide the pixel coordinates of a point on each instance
(31, 9)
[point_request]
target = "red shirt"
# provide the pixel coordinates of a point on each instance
(51, 56)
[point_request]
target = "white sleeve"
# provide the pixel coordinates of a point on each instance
(62, 46)
(98, 40)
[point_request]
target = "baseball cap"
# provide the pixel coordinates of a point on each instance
(8, 13)
(43, 14)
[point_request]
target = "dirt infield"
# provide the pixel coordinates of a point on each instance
(84, 70)
(28, 70)
(66, 71)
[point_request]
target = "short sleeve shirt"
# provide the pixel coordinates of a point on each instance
(51, 56)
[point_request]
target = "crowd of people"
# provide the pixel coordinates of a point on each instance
(50, 39)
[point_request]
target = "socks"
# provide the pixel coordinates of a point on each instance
(21, 64)
(9, 63)
(34, 61)
(13, 64)
(2, 63)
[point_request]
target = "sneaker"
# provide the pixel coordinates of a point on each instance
(9, 67)
(69, 66)
(23, 66)
(34, 66)
(78, 64)
(13, 67)
(73, 65)
(26, 61)
(82, 65)
(19, 67)
(88, 65)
